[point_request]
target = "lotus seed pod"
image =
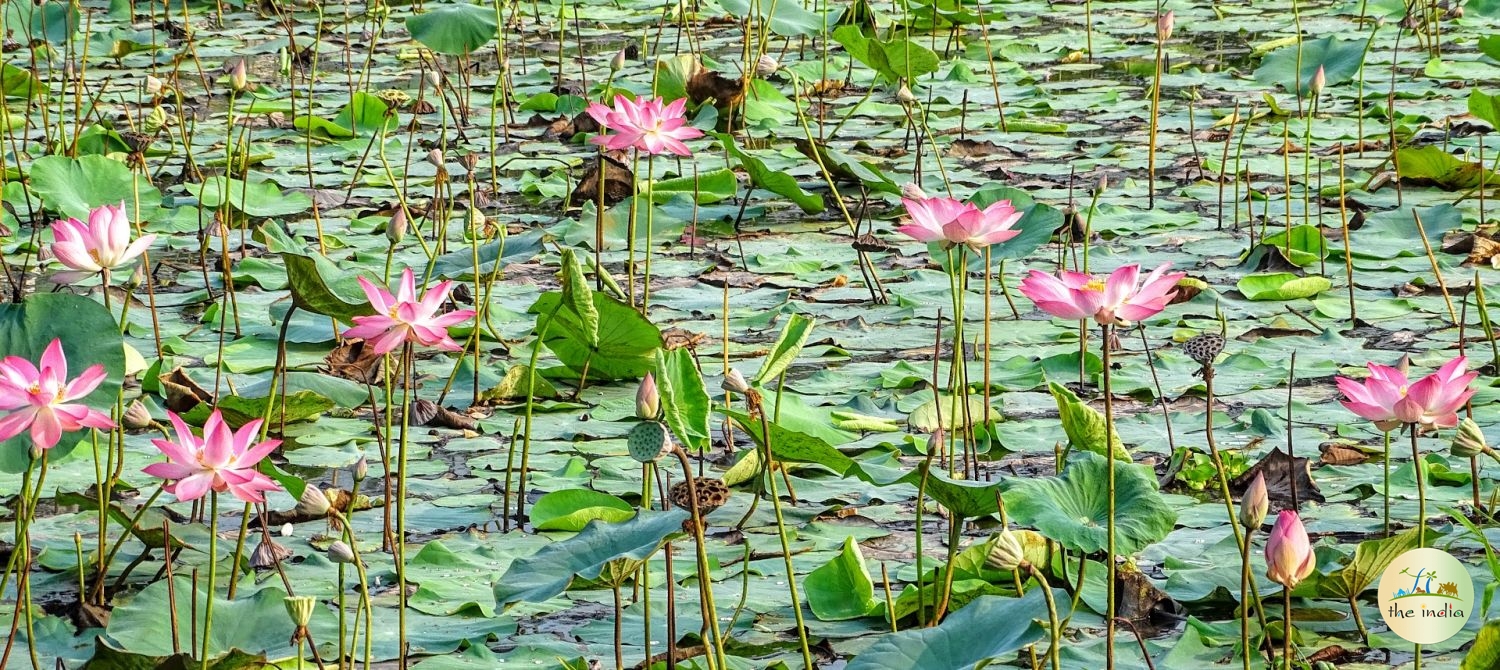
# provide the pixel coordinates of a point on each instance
(300, 609)
(1204, 348)
(647, 441)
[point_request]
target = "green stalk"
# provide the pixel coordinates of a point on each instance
(1109, 454)
(399, 545)
(786, 550)
(1053, 652)
(650, 216)
(213, 565)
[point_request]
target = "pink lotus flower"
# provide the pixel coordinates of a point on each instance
(1289, 554)
(645, 125)
(42, 399)
(953, 222)
(1389, 399)
(101, 244)
(1121, 297)
(405, 318)
(222, 460)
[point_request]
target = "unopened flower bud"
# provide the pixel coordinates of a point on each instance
(361, 468)
(395, 229)
(911, 191)
(338, 552)
(1164, 24)
(1006, 551)
(239, 79)
(1255, 503)
(734, 382)
(286, 530)
(647, 399)
(618, 62)
(433, 80)
(435, 157)
(1319, 80)
(153, 86)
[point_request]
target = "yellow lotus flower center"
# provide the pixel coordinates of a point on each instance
(1403, 391)
(1095, 285)
(34, 389)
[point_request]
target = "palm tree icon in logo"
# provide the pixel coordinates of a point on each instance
(1424, 587)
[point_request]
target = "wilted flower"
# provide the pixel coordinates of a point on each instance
(1006, 551)
(402, 317)
(644, 125)
(101, 244)
(1289, 554)
(313, 502)
(338, 552)
(1255, 503)
(1120, 298)
(435, 157)
(647, 399)
(223, 459)
(766, 66)
(42, 399)
(734, 382)
(136, 417)
(268, 553)
(905, 96)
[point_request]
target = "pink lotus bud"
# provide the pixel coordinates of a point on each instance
(1164, 23)
(1289, 554)
(911, 191)
(647, 399)
(1255, 504)
(1319, 80)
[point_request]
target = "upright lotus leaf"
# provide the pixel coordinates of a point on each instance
(988, 627)
(547, 573)
(842, 588)
(251, 622)
(106, 657)
(367, 114)
(775, 181)
(73, 186)
(684, 399)
(1485, 654)
(843, 166)
(456, 29)
(90, 335)
(1340, 60)
(1485, 106)
(895, 60)
(1281, 286)
(30, 21)
(1073, 509)
(788, 346)
(1370, 560)
(579, 298)
(307, 277)
(573, 509)
(790, 445)
(1307, 247)
(16, 82)
(626, 345)
(1083, 424)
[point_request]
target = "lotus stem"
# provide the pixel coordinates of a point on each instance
(1416, 461)
(213, 564)
(1109, 455)
(1053, 651)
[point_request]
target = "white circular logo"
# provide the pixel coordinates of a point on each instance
(1426, 596)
